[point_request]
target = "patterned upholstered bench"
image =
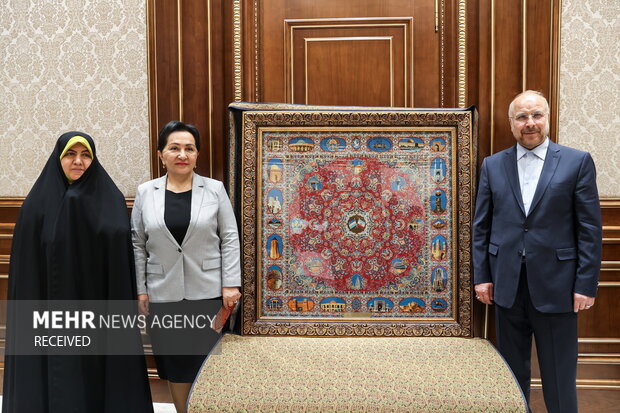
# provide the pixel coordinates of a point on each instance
(298, 374)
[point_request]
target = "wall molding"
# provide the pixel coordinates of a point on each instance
(589, 384)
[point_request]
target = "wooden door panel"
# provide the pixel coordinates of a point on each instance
(329, 63)
(348, 63)
(353, 52)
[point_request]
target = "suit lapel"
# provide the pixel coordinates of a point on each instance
(159, 203)
(510, 166)
(198, 191)
(551, 163)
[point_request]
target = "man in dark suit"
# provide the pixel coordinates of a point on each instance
(537, 249)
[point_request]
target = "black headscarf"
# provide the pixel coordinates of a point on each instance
(73, 242)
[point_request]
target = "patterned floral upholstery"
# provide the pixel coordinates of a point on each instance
(387, 374)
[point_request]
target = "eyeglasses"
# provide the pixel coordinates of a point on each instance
(524, 117)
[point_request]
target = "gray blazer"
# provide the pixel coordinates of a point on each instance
(207, 260)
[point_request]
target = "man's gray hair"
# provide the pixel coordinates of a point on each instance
(527, 92)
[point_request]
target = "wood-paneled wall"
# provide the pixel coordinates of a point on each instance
(353, 52)
(203, 54)
(518, 50)
(190, 72)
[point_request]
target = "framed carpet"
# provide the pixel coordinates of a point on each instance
(354, 221)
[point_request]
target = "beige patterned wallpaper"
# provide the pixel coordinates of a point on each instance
(590, 85)
(73, 65)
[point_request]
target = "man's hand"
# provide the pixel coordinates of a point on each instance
(582, 302)
(484, 292)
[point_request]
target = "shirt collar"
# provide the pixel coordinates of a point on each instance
(540, 151)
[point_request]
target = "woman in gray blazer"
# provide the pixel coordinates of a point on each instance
(186, 245)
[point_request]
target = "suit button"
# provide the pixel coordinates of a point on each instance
(179, 250)
(525, 229)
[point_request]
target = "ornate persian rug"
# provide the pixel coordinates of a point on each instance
(377, 374)
(354, 221)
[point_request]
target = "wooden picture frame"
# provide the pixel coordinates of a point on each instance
(354, 221)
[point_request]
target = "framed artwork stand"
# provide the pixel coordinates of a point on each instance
(354, 221)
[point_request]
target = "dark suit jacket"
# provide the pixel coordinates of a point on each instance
(561, 235)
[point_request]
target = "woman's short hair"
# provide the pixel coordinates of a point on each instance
(175, 126)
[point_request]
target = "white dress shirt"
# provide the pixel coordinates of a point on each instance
(530, 164)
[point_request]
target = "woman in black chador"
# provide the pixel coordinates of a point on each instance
(72, 241)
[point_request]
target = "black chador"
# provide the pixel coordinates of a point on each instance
(72, 241)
